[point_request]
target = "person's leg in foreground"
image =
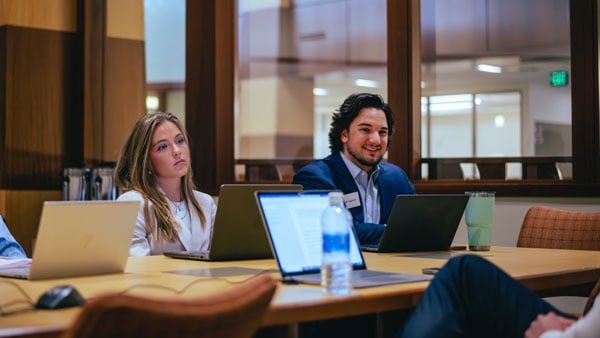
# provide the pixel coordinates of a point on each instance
(471, 297)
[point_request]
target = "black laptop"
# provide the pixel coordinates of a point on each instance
(238, 232)
(421, 223)
(293, 223)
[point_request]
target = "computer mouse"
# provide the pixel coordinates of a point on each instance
(60, 297)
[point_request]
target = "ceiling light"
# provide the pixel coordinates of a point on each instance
(320, 91)
(489, 68)
(152, 102)
(499, 121)
(366, 83)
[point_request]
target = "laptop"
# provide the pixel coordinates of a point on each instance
(238, 232)
(79, 238)
(293, 223)
(421, 223)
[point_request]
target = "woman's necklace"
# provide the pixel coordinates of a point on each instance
(181, 209)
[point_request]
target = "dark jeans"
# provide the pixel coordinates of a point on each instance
(471, 297)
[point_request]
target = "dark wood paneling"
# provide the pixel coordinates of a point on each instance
(114, 83)
(23, 211)
(404, 95)
(42, 107)
(2, 105)
(124, 93)
(585, 91)
(92, 32)
(209, 100)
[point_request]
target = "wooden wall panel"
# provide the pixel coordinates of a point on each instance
(59, 15)
(125, 19)
(2, 106)
(50, 52)
(124, 92)
(92, 17)
(42, 107)
(23, 210)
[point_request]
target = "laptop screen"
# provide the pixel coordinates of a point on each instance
(293, 223)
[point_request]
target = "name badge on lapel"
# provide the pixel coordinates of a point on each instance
(351, 200)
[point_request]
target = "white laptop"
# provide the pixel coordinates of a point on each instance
(78, 238)
(293, 223)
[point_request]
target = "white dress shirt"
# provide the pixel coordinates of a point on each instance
(367, 187)
(190, 236)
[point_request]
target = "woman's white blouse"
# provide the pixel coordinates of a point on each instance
(192, 237)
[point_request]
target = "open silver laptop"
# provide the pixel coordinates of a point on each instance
(293, 223)
(238, 232)
(421, 223)
(78, 238)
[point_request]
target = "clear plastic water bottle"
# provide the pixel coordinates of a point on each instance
(336, 268)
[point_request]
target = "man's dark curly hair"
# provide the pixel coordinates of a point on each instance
(349, 110)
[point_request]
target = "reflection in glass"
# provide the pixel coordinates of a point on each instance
(485, 69)
(297, 62)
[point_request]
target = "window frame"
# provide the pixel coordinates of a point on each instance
(404, 95)
(212, 80)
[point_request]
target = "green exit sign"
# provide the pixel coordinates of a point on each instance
(559, 78)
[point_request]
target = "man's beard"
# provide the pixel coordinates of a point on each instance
(364, 161)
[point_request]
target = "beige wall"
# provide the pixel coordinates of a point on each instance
(510, 211)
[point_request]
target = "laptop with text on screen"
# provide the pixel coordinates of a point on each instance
(293, 224)
(79, 238)
(238, 232)
(421, 223)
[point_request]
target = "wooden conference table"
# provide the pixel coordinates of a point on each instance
(158, 276)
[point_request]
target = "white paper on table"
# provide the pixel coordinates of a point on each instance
(9, 262)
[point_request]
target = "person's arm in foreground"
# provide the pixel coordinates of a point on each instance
(552, 325)
(9, 246)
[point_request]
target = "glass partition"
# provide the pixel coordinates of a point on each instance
(298, 61)
(512, 59)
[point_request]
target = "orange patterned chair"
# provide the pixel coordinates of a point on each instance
(545, 227)
(236, 312)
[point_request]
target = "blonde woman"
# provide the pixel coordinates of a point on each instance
(154, 168)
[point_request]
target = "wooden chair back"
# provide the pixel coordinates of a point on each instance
(236, 312)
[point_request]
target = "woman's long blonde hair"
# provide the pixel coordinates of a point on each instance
(134, 172)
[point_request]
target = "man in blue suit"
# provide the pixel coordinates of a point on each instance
(358, 139)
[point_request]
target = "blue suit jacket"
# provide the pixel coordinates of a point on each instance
(331, 173)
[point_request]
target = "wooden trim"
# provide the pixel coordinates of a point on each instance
(41, 131)
(226, 68)
(584, 91)
(164, 86)
(209, 100)
(403, 96)
(92, 23)
(404, 60)
(124, 93)
(3, 171)
(55, 15)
